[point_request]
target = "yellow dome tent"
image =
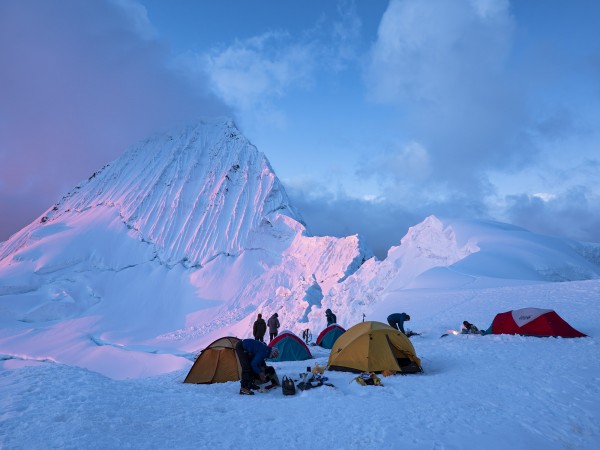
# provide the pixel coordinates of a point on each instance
(217, 363)
(373, 347)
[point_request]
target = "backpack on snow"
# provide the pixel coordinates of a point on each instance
(287, 386)
(368, 379)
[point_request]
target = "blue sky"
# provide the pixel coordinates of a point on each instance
(374, 114)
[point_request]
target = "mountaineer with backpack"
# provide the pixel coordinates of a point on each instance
(273, 324)
(252, 354)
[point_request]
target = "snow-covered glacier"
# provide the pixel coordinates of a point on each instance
(188, 235)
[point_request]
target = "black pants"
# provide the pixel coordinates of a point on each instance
(397, 325)
(272, 335)
(248, 374)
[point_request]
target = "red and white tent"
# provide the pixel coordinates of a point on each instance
(533, 322)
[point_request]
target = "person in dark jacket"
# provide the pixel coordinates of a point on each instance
(259, 329)
(397, 320)
(469, 328)
(331, 318)
(273, 324)
(252, 354)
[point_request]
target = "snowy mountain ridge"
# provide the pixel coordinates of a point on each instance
(187, 236)
(193, 195)
(462, 254)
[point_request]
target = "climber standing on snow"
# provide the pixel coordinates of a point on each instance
(273, 324)
(331, 318)
(259, 329)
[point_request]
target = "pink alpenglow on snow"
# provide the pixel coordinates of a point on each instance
(187, 236)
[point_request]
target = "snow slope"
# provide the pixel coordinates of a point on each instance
(188, 235)
(459, 254)
(153, 256)
(108, 296)
(492, 392)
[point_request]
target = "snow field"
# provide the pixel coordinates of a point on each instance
(493, 392)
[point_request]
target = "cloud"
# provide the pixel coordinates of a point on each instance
(443, 66)
(138, 18)
(259, 69)
(345, 37)
(573, 213)
(381, 222)
(81, 81)
(426, 48)
(476, 110)
(398, 168)
(252, 75)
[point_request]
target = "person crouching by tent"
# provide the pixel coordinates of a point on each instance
(397, 320)
(469, 328)
(252, 354)
(259, 329)
(331, 318)
(273, 324)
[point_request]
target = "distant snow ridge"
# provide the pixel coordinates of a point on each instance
(589, 251)
(432, 240)
(427, 245)
(194, 195)
(454, 253)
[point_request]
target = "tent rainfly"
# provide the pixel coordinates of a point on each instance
(217, 363)
(328, 336)
(533, 322)
(374, 347)
(291, 347)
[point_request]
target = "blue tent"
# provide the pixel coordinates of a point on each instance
(329, 335)
(291, 347)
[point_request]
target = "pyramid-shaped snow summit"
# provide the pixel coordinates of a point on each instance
(194, 195)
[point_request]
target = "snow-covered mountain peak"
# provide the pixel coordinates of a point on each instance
(432, 240)
(193, 195)
(188, 235)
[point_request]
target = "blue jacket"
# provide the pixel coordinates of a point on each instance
(397, 320)
(258, 352)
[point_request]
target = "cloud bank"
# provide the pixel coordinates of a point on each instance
(253, 75)
(81, 81)
(575, 210)
(444, 63)
(470, 106)
(466, 108)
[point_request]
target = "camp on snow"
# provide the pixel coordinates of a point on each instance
(533, 322)
(217, 363)
(328, 336)
(290, 346)
(374, 347)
